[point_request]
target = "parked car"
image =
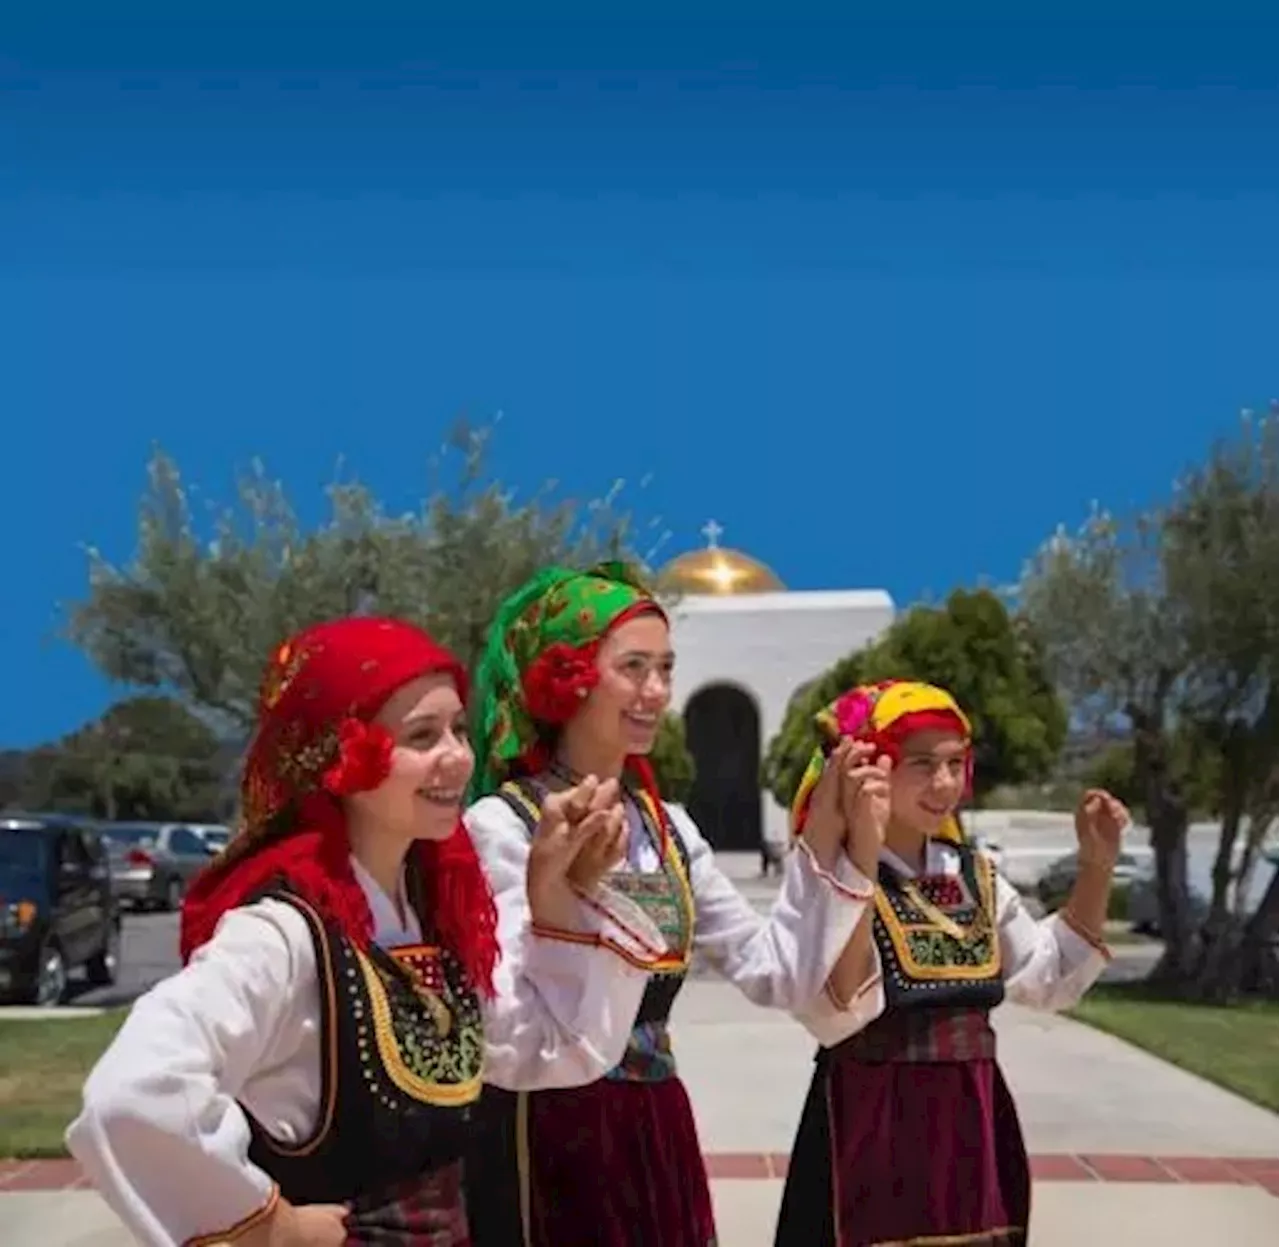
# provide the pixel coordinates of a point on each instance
(1055, 884)
(152, 863)
(57, 911)
(215, 836)
(1144, 905)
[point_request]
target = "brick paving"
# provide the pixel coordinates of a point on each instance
(64, 1174)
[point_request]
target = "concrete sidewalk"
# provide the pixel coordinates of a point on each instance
(1125, 1147)
(1134, 1138)
(1066, 1215)
(1078, 1090)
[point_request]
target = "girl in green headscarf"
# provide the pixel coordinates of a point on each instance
(572, 686)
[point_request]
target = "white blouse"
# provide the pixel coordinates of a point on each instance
(162, 1135)
(1047, 965)
(781, 961)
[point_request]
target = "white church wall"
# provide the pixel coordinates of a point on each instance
(767, 644)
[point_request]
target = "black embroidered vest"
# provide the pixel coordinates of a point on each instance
(401, 1049)
(664, 897)
(939, 948)
(937, 937)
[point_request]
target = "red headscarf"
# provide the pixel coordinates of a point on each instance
(315, 743)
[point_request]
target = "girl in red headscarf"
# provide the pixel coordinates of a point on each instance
(909, 1134)
(309, 1077)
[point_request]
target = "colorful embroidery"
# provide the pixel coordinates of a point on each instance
(419, 1030)
(925, 941)
(283, 669)
(648, 1057)
(665, 896)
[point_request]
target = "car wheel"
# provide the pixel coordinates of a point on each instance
(50, 984)
(104, 965)
(173, 896)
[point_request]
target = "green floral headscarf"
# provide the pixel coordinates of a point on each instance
(539, 660)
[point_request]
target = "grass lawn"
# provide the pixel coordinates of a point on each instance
(42, 1068)
(1234, 1046)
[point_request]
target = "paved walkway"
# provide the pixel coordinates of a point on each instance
(1126, 1150)
(1164, 1157)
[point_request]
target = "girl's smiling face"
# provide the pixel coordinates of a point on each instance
(928, 780)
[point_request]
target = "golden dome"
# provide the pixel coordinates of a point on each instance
(718, 570)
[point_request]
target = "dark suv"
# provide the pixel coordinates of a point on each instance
(57, 911)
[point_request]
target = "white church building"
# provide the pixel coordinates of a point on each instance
(743, 644)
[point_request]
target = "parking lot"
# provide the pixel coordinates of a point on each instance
(149, 946)
(148, 953)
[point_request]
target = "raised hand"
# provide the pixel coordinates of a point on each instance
(864, 799)
(825, 827)
(1100, 823)
(589, 813)
(604, 840)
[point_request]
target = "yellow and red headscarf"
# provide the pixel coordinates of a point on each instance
(884, 714)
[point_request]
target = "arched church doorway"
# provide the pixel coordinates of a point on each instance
(722, 730)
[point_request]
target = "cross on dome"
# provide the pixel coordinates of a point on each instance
(712, 532)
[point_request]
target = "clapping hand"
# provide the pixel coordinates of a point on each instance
(603, 841)
(824, 826)
(864, 799)
(587, 818)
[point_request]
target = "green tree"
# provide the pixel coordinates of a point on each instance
(1193, 760)
(1169, 619)
(672, 762)
(971, 646)
(202, 605)
(146, 758)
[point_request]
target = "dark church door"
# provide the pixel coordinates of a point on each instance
(722, 729)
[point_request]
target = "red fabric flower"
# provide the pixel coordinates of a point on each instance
(853, 712)
(558, 680)
(364, 758)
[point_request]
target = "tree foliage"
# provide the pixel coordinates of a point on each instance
(1169, 619)
(1197, 767)
(673, 764)
(146, 758)
(201, 605)
(971, 646)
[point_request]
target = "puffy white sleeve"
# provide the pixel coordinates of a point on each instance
(1047, 963)
(160, 1133)
(830, 1020)
(783, 960)
(566, 1001)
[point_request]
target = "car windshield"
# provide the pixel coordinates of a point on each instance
(217, 839)
(21, 850)
(125, 833)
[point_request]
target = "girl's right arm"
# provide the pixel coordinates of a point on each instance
(161, 1134)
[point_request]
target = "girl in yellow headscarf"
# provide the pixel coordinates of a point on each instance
(909, 1134)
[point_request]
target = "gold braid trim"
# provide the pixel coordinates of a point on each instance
(897, 931)
(224, 1238)
(444, 1095)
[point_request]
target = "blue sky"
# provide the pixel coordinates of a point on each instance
(889, 298)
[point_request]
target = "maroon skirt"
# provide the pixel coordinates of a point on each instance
(915, 1151)
(613, 1164)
